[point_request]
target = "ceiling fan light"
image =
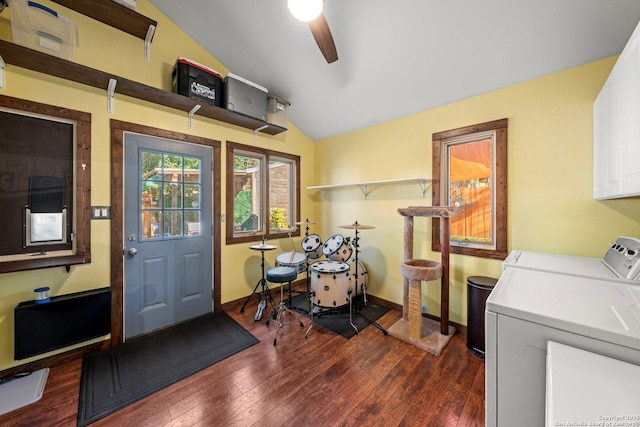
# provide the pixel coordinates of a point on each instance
(305, 10)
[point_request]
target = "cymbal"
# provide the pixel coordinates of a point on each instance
(263, 247)
(356, 226)
(305, 222)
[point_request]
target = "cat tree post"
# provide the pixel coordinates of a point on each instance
(413, 327)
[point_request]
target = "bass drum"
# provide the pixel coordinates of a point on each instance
(330, 283)
(295, 260)
(312, 246)
(363, 277)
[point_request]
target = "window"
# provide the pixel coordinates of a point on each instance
(470, 174)
(263, 193)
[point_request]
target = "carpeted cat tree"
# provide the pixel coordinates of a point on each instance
(413, 328)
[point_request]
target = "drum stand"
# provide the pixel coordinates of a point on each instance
(356, 311)
(309, 291)
(266, 291)
(306, 234)
(306, 258)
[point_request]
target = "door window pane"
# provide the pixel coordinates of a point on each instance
(151, 224)
(172, 223)
(173, 195)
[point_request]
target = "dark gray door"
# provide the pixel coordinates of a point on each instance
(167, 233)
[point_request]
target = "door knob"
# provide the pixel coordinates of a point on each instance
(132, 251)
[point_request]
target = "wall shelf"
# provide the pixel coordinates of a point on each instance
(364, 186)
(41, 62)
(117, 16)
(113, 14)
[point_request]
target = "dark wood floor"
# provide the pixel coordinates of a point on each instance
(325, 380)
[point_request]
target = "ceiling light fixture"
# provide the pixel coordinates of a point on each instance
(305, 10)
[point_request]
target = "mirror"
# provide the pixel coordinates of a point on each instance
(45, 180)
(469, 169)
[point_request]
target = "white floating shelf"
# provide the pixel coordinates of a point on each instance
(364, 186)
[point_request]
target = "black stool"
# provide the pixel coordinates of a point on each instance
(478, 290)
(282, 275)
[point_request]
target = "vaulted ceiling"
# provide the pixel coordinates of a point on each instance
(400, 57)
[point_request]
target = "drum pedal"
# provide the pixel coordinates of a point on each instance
(261, 306)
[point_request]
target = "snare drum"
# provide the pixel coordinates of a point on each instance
(337, 248)
(312, 245)
(295, 260)
(330, 282)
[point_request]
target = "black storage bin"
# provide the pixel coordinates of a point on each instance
(63, 321)
(478, 290)
(196, 81)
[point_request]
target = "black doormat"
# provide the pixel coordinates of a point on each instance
(337, 320)
(120, 376)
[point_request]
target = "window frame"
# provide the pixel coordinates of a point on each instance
(499, 176)
(80, 224)
(233, 148)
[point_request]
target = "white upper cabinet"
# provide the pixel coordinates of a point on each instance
(616, 128)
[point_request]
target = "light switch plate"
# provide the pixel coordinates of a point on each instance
(100, 212)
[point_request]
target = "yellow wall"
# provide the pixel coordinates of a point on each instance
(550, 169)
(550, 204)
(108, 49)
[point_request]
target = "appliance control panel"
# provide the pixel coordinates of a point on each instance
(623, 258)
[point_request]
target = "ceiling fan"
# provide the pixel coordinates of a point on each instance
(311, 11)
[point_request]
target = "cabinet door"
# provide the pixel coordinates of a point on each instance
(629, 116)
(606, 140)
(616, 128)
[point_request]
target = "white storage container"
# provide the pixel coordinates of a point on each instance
(40, 28)
(131, 4)
(245, 97)
(278, 111)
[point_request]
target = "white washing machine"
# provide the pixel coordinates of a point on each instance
(619, 263)
(526, 310)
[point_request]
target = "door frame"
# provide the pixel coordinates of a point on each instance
(118, 129)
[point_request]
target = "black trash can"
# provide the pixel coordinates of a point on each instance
(478, 290)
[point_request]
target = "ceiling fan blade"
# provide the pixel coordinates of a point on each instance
(321, 32)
